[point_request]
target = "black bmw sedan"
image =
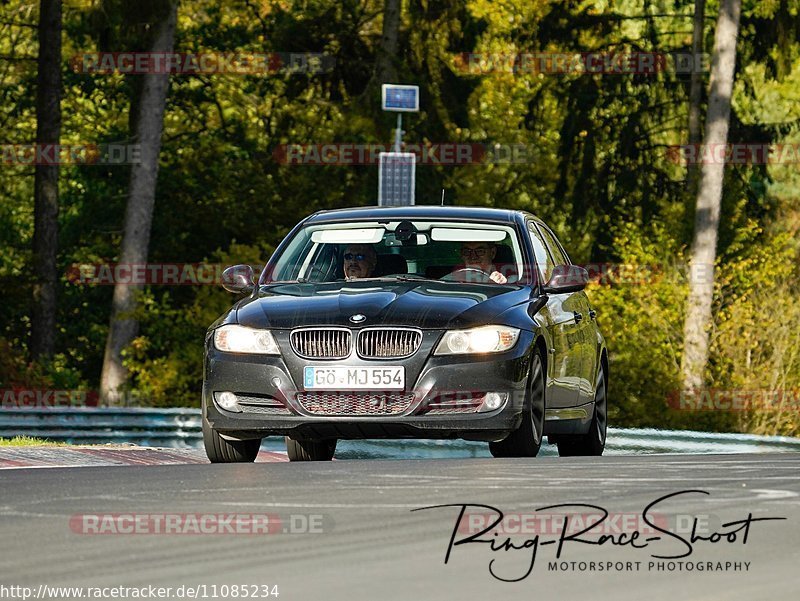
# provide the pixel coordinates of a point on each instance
(408, 322)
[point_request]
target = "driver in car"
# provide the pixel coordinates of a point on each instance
(479, 256)
(359, 261)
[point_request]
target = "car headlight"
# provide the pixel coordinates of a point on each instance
(485, 339)
(239, 339)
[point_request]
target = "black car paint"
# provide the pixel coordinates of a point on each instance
(549, 324)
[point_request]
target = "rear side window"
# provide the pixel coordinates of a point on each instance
(544, 262)
(553, 246)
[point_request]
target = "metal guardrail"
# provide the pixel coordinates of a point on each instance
(85, 425)
(182, 428)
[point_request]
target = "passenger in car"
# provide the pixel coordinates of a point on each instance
(359, 261)
(480, 256)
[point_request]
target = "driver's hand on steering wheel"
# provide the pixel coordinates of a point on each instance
(498, 277)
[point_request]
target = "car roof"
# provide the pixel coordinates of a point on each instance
(417, 212)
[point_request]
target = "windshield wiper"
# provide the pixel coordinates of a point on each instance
(410, 277)
(381, 278)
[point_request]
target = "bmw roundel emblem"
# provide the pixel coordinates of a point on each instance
(357, 318)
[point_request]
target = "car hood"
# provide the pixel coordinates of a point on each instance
(420, 304)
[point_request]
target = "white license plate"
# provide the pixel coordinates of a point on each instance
(354, 378)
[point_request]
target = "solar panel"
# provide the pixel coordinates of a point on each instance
(396, 172)
(396, 97)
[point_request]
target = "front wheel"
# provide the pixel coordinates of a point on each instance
(220, 450)
(310, 450)
(526, 440)
(594, 441)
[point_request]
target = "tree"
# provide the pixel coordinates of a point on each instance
(696, 87)
(385, 69)
(709, 198)
(48, 131)
(148, 125)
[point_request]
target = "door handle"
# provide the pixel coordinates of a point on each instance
(592, 313)
(578, 316)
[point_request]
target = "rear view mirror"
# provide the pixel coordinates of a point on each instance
(238, 279)
(567, 278)
(406, 233)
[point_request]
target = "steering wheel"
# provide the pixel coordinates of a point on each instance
(454, 276)
(316, 274)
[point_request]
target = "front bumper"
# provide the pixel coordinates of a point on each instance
(426, 376)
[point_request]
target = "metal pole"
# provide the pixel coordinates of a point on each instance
(398, 133)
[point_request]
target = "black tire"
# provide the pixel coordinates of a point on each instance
(310, 450)
(594, 441)
(220, 450)
(526, 440)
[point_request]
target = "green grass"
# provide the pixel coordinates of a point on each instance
(28, 441)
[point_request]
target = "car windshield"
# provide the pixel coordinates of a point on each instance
(401, 250)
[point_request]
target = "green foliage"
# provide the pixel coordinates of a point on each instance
(642, 311)
(167, 361)
(56, 374)
(755, 342)
(596, 166)
(27, 441)
(756, 339)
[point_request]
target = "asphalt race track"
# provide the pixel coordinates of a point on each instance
(366, 543)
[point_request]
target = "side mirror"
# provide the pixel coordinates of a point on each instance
(238, 279)
(567, 278)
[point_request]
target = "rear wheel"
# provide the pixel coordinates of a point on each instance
(526, 440)
(220, 450)
(310, 450)
(594, 441)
